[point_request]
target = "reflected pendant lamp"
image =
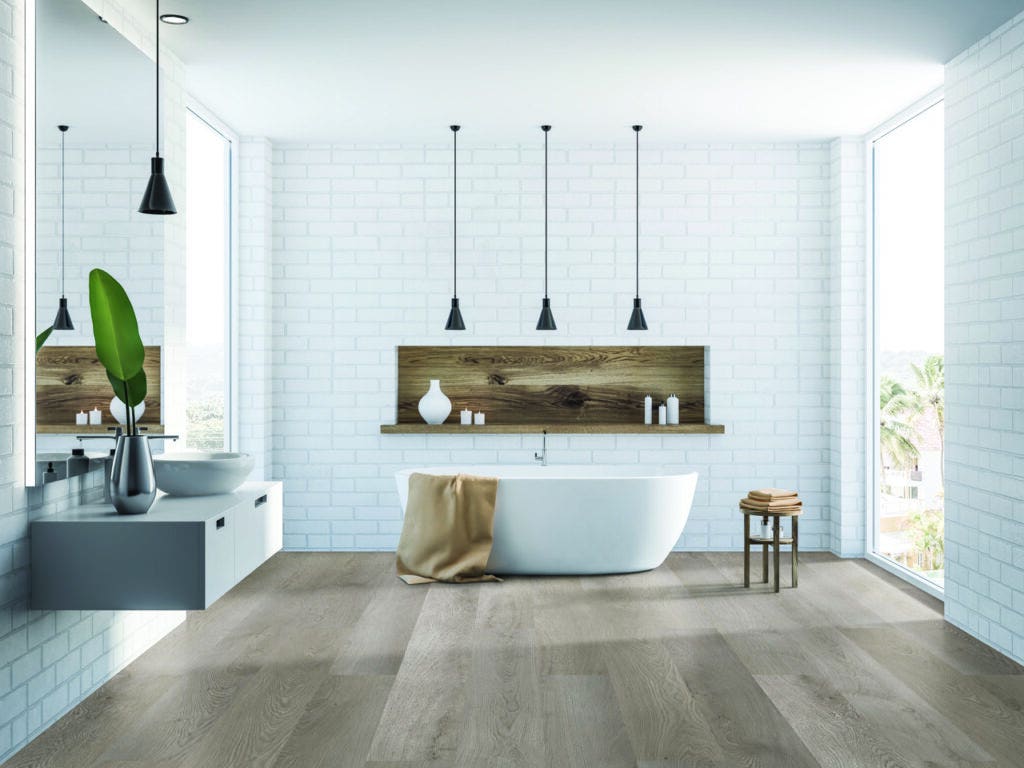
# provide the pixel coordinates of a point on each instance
(637, 321)
(62, 322)
(546, 321)
(455, 321)
(157, 197)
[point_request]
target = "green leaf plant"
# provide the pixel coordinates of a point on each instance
(118, 344)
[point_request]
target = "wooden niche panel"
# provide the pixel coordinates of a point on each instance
(553, 385)
(71, 379)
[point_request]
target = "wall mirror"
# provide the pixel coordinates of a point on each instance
(98, 84)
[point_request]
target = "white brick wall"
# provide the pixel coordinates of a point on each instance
(848, 438)
(254, 258)
(103, 186)
(735, 254)
(984, 104)
(49, 661)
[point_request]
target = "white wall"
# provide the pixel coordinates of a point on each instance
(984, 113)
(847, 301)
(735, 255)
(49, 661)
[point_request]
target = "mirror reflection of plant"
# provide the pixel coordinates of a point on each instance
(118, 344)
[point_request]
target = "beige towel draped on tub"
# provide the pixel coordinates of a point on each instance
(448, 529)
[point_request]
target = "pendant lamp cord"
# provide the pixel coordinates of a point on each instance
(158, 78)
(546, 211)
(455, 208)
(637, 132)
(62, 214)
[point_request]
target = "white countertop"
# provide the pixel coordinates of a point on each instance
(166, 509)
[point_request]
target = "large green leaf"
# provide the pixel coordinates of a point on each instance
(42, 337)
(136, 387)
(114, 326)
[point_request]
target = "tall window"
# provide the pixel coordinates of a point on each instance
(909, 381)
(208, 272)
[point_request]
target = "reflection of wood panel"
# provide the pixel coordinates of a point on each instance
(551, 385)
(71, 379)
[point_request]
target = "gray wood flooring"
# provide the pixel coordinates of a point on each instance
(327, 659)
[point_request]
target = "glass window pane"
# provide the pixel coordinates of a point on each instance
(208, 247)
(909, 263)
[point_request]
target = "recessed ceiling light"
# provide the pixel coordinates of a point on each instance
(174, 18)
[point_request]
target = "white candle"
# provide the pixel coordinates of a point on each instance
(95, 416)
(81, 418)
(662, 414)
(648, 408)
(466, 416)
(478, 418)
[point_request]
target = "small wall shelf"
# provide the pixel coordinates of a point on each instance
(552, 429)
(93, 429)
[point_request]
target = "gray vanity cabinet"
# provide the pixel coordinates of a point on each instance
(183, 554)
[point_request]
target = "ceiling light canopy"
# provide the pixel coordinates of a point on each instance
(174, 18)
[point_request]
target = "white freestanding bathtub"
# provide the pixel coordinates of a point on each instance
(579, 519)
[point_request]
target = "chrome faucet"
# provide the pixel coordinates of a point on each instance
(542, 457)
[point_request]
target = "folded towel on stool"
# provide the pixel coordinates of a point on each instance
(794, 505)
(771, 494)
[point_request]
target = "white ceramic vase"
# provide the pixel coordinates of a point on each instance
(120, 412)
(435, 405)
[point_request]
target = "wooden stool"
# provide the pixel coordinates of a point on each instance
(775, 542)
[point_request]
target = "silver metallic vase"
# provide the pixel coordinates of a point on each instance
(132, 480)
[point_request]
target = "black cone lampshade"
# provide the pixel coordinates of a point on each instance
(157, 197)
(455, 321)
(62, 322)
(637, 321)
(546, 321)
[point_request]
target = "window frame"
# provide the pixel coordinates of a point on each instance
(872, 389)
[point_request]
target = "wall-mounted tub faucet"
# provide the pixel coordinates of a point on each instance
(542, 457)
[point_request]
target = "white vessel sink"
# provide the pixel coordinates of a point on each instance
(199, 473)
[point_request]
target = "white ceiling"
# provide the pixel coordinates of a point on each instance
(90, 78)
(402, 70)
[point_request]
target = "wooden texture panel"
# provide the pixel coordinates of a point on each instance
(553, 385)
(71, 379)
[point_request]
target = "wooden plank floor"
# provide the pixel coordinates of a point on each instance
(326, 659)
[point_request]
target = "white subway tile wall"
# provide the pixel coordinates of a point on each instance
(735, 254)
(49, 661)
(848, 295)
(253, 315)
(984, 109)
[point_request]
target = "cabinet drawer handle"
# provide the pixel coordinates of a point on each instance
(261, 501)
(220, 522)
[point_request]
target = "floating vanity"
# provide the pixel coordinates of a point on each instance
(183, 554)
(555, 389)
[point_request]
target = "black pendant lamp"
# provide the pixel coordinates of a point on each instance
(63, 320)
(157, 197)
(546, 321)
(637, 321)
(455, 321)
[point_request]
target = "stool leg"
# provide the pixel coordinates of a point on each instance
(775, 554)
(746, 550)
(764, 556)
(795, 539)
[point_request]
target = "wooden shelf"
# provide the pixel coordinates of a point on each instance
(91, 429)
(552, 429)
